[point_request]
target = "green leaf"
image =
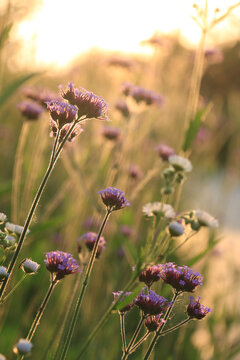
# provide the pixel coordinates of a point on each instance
(194, 126)
(5, 34)
(11, 88)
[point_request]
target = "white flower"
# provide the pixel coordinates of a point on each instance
(3, 273)
(180, 163)
(23, 347)
(2, 357)
(29, 266)
(152, 209)
(17, 229)
(3, 217)
(206, 219)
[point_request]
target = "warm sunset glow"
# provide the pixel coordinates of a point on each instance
(61, 29)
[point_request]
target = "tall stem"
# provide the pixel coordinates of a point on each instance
(14, 288)
(33, 208)
(127, 352)
(123, 334)
(83, 289)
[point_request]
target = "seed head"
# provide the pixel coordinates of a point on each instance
(120, 295)
(113, 198)
(152, 303)
(158, 208)
(150, 275)
(13, 228)
(153, 322)
(3, 273)
(61, 263)
(181, 278)
(3, 218)
(89, 240)
(206, 219)
(29, 267)
(61, 112)
(30, 110)
(180, 163)
(196, 310)
(23, 347)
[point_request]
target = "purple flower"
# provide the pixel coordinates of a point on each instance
(140, 94)
(113, 198)
(196, 310)
(150, 274)
(126, 230)
(122, 107)
(120, 295)
(61, 263)
(88, 104)
(61, 112)
(30, 110)
(181, 278)
(89, 240)
(153, 322)
(152, 303)
(135, 172)
(111, 133)
(164, 151)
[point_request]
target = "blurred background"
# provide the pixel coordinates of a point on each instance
(100, 46)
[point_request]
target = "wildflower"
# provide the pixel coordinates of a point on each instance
(30, 110)
(122, 107)
(164, 151)
(135, 172)
(176, 229)
(206, 219)
(149, 97)
(126, 230)
(3, 273)
(23, 347)
(181, 278)
(3, 218)
(121, 62)
(158, 208)
(61, 263)
(127, 88)
(180, 163)
(153, 322)
(12, 228)
(196, 310)
(150, 275)
(120, 295)
(63, 132)
(29, 267)
(90, 239)
(113, 198)
(152, 303)
(111, 133)
(89, 105)
(61, 112)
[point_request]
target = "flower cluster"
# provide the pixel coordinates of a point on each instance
(150, 275)
(152, 303)
(61, 112)
(122, 107)
(140, 94)
(164, 151)
(111, 133)
(158, 208)
(89, 105)
(30, 110)
(61, 264)
(197, 310)
(181, 278)
(120, 296)
(153, 322)
(113, 198)
(63, 132)
(180, 163)
(89, 240)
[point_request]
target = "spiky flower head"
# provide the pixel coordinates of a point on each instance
(120, 296)
(61, 263)
(140, 94)
(23, 347)
(206, 219)
(30, 110)
(113, 198)
(181, 278)
(111, 133)
(197, 310)
(164, 151)
(29, 266)
(153, 322)
(158, 208)
(152, 303)
(89, 240)
(61, 112)
(89, 105)
(3, 273)
(150, 275)
(180, 163)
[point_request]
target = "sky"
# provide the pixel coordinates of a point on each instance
(60, 30)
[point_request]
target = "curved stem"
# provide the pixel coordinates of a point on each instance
(175, 327)
(127, 352)
(133, 348)
(13, 289)
(84, 286)
(123, 333)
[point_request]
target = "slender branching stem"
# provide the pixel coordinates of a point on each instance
(123, 333)
(136, 332)
(83, 289)
(175, 327)
(13, 289)
(133, 348)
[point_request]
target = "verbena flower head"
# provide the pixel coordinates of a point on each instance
(180, 163)
(111, 133)
(164, 151)
(63, 132)
(152, 303)
(206, 219)
(158, 208)
(61, 112)
(61, 264)
(23, 347)
(140, 94)
(120, 295)
(89, 240)
(3, 273)
(197, 310)
(135, 172)
(153, 322)
(30, 110)
(113, 198)
(88, 104)
(150, 275)
(29, 266)
(122, 107)
(181, 278)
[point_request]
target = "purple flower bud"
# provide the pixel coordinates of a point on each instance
(164, 151)
(30, 110)
(139, 94)
(89, 240)
(113, 198)
(150, 275)
(120, 295)
(152, 303)
(135, 172)
(181, 278)
(61, 112)
(196, 310)
(61, 264)
(152, 323)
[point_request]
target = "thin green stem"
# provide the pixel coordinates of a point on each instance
(123, 333)
(13, 289)
(161, 327)
(55, 145)
(83, 289)
(133, 348)
(33, 209)
(136, 332)
(175, 327)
